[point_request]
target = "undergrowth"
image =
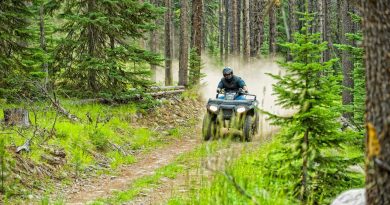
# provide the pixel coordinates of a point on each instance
(257, 174)
(105, 138)
(181, 165)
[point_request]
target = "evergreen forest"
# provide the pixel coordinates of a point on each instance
(195, 102)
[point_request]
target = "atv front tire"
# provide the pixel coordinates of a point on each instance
(248, 129)
(208, 128)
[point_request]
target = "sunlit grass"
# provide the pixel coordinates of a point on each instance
(103, 133)
(183, 163)
(254, 174)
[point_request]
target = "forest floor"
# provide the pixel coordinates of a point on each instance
(164, 172)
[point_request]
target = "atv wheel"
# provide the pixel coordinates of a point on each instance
(248, 129)
(257, 123)
(208, 128)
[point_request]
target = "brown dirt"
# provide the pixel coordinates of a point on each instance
(104, 186)
(193, 178)
(175, 112)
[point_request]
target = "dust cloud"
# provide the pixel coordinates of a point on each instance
(254, 75)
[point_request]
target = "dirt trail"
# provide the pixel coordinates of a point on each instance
(209, 166)
(146, 165)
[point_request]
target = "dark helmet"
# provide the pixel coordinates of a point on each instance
(227, 72)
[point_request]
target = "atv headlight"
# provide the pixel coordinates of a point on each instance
(241, 109)
(213, 108)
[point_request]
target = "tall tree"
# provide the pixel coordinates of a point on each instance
(346, 57)
(153, 43)
(327, 29)
(221, 29)
(195, 64)
(272, 30)
(168, 43)
(14, 36)
(256, 26)
(376, 30)
(292, 10)
(234, 27)
(92, 56)
(42, 40)
(183, 50)
(238, 29)
(246, 30)
(313, 128)
(231, 23)
(227, 23)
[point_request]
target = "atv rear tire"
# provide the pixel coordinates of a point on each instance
(248, 129)
(208, 128)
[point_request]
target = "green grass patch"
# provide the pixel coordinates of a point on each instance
(104, 133)
(182, 163)
(255, 173)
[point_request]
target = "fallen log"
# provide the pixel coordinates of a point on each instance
(155, 92)
(180, 87)
(166, 93)
(63, 111)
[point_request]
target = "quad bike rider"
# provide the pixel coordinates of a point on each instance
(234, 112)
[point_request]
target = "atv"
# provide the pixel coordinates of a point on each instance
(228, 116)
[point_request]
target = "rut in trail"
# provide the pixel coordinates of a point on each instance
(176, 113)
(145, 166)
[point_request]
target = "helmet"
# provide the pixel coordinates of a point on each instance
(227, 72)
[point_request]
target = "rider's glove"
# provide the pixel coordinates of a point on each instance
(245, 91)
(218, 90)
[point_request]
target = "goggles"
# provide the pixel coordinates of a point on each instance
(227, 75)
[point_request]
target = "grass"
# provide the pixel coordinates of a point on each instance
(253, 172)
(183, 163)
(104, 133)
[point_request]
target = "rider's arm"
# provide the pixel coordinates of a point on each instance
(220, 86)
(242, 85)
(245, 88)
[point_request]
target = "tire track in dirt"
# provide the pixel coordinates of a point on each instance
(104, 186)
(209, 166)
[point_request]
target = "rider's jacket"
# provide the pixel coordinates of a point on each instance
(234, 84)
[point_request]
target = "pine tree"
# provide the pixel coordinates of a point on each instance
(99, 52)
(14, 48)
(309, 88)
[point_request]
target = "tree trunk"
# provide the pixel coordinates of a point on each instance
(312, 6)
(153, 47)
(305, 158)
(272, 31)
(257, 27)
(226, 39)
(168, 43)
(16, 116)
(221, 29)
(183, 53)
(293, 8)
(376, 30)
(234, 27)
(231, 23)
(327, 28)
(346, 58)
(238, 28)
(45, 66)
(197, 9)
(246, 32)
(91, 48)
(321, 23)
